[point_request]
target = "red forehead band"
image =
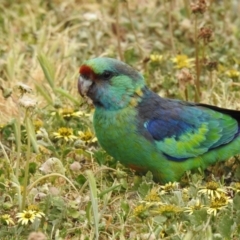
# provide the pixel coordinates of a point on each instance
(86, 70)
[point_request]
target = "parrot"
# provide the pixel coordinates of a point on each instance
(146, 132)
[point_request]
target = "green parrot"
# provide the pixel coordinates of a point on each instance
(148, 133)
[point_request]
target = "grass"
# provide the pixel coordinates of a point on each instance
(51, 166)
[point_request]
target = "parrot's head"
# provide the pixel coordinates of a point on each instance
(111, 84)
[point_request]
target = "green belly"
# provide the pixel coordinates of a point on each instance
(117, 133)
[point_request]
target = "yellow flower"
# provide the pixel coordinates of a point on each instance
(169, 187)
(218, 203)
(36, 210)
(68, 113)
(194, 206)
(167, 210)
(233, 73)
(212, 189)
(65, 133)
(87, 136)
(33, 207)
(140, 211)
(163, 234)
(156, 58)
(26, 217)
(236, 187)
(153, 196)
(37, 124)
(185, 195)
(182, 61)
(7, 219)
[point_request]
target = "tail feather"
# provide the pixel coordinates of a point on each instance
(233, 113)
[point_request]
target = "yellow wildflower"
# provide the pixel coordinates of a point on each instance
(6, 218)
(153, 196)
(156, 58)
(37, 124)
(185, 195)
(182, 61)
(218, 203)
(169, 187)
(26, 217)
(87, 136)
(212, 189)
(67, 113)
(168, 210)
(140, 211)
(163, 234)
(65, 133)
(194, 206)
(233, 73)
(236, 187)
(36, 210)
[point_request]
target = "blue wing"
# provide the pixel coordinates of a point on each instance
(182, 130)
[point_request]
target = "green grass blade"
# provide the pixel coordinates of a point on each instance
(47, 68)
(44, 93)
(66, 94)
(94, 200)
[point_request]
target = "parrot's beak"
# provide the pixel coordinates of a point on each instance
(83, 85)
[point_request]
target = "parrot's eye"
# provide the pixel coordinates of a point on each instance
(107, 75)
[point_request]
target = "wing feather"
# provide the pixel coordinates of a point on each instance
(184, 131)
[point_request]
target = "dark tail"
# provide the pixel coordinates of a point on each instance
(233, 113)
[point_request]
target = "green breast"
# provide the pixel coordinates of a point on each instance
(117, 133)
